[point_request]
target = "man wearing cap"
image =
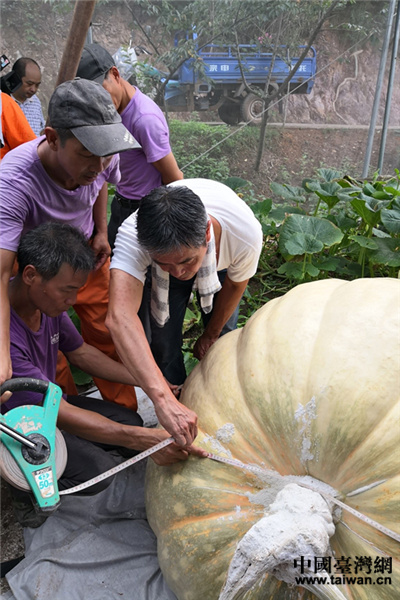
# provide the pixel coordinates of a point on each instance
(144, 168)
(62, 176)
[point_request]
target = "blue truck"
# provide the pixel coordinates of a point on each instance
(222, 89)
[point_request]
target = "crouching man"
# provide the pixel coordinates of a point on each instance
(194, 234)
(54, 261)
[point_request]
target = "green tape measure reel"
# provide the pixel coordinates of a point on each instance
(33, 453)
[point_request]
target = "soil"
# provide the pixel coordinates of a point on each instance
(292, 154)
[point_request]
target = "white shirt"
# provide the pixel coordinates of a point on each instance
(241, 233)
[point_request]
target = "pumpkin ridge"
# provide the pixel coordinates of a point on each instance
(344, 368)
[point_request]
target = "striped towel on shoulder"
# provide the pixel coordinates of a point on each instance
(206, 284)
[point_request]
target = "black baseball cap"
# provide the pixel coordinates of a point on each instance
(95, 63)
(86, 108)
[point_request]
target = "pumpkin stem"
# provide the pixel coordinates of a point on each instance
(325, 591)
(285, 543)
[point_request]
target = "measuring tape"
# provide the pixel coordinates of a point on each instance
(259, 470)
(234, 463)
(118, 468)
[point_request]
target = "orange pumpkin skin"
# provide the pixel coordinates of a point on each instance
(310, 386)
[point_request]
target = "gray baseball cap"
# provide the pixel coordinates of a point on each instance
(86, 108)
(95, 63)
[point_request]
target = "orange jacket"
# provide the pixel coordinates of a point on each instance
(14, 125)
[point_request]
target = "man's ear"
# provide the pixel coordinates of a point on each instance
(52, 138)
(208, 231)
(29, 275)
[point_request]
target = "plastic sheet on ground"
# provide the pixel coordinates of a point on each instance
(93, 548)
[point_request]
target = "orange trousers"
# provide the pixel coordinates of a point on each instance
(91, 308)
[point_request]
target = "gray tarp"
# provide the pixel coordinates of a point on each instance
(93, 548)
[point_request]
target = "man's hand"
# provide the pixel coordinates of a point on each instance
(202, 345)
(178, 420)
(175, 389)
(174, 453)
(5, 373)
(101, 248)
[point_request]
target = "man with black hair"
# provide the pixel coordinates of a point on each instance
(144, 168)
(63, 177)
(28, 71)
(54, 261)
(203, 235)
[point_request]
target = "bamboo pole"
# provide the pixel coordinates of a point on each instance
(80, 24)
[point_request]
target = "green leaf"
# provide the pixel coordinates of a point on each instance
(311, 270)
(366, 213)
(329, 174)
(80, 378)
(303, 243)
(391, 190)
(388, 252)
(236, 183)
(293, 270)
(290, 193)
(342, 221)
(369, 189)
(376, 205)
(347, 194)
(380, 234)
(262, 209)
(391, 220)
(189, 361)
(319, 229)
(364, 242)
(280, 213)
(330, 263)
(328, 193)
(380, 195)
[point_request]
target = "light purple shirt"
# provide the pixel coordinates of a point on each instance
(146, 122)
(29, 197)
(34, 353)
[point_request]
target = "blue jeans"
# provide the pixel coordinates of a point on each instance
(166, 342)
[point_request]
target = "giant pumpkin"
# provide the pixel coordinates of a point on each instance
(308, 389)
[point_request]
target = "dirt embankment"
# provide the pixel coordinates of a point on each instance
(294, 154)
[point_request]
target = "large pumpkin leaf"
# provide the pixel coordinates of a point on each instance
(343, 221)
(328, 192)
(379, 233)
(235, 183)
(290, 193)
(329, 174)
(367, 210)
(328, 263)
(391, 220)
(303, 243)
(262, 209)
(279, 213)
(293, 270)
(388, 252)
(391, 190)
(364, 242)
(320, 230)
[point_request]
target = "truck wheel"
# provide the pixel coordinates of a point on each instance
(229, 113)
(251, 109)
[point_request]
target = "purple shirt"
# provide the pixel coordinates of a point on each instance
(146, 122)
(29, 197)
(34, 353)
